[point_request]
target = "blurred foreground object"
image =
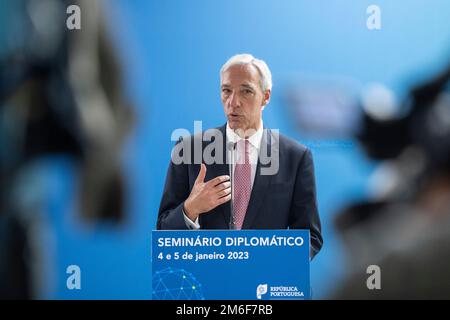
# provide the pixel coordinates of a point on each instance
(60, 93)
(405, 228)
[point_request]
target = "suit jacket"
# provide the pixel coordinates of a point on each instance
(283, 200)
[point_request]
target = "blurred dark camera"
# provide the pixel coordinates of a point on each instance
(60, 94)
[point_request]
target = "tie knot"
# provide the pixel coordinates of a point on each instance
(243, 146)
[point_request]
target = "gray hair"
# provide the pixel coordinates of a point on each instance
(260, 65)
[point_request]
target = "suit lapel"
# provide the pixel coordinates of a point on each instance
(260, 185)
(219, 169)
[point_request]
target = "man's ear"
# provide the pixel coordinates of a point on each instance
(266, 98)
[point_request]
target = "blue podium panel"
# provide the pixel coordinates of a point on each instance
(230, 264)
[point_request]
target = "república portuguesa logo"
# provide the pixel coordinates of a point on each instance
(279, 292)
(260, 290)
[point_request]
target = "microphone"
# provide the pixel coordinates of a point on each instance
(231, 146)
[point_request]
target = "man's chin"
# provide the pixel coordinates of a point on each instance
(234, 124)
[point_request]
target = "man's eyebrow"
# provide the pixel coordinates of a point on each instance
(246, 85)
(225, 85)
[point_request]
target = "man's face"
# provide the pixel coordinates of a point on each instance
(242, 97)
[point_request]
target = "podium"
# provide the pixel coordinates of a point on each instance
(231, 265)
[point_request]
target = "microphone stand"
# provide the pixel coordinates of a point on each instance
(232, 148)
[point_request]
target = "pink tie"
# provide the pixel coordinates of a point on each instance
(242, 183)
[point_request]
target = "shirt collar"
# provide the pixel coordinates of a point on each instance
(255, 139)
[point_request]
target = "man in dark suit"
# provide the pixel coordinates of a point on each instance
(272, 182)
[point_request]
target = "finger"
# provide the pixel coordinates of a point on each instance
(201, 174)
(223, 185)
(217, 180)
(224, 192)
(223, 200)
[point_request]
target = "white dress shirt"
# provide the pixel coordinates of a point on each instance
(254, 146)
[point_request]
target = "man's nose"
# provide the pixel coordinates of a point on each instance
(234, 100)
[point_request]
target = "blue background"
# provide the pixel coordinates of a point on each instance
(171, 53)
